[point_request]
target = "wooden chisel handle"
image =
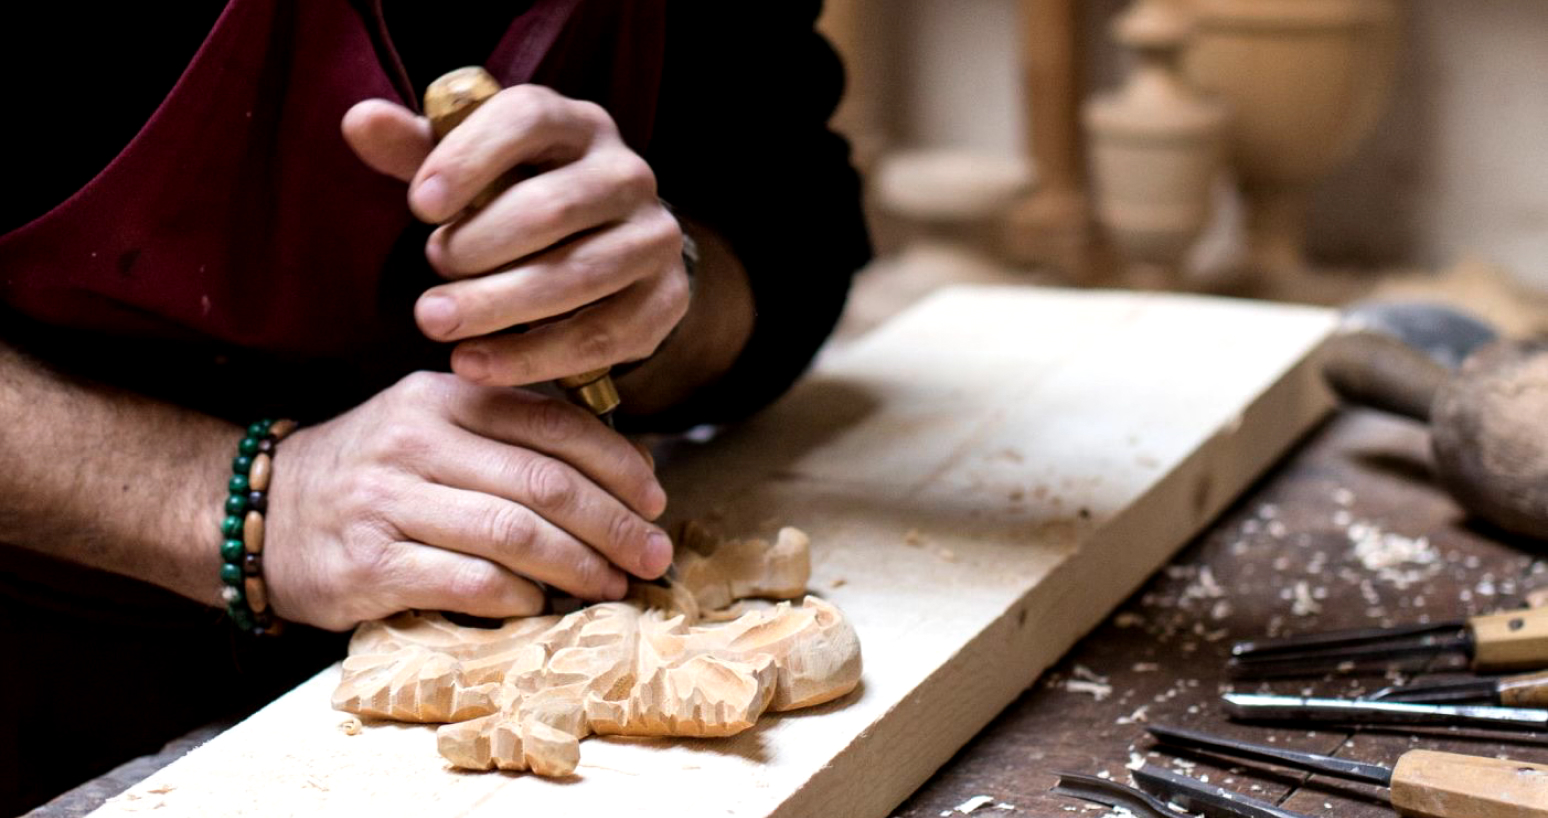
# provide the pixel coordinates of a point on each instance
(1525, 690)
(1428, 784)
(1512, 640)
(449, 100)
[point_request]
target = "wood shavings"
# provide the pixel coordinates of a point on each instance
(350, 726)
(1204, 586)
(1304, 604)
(1140, 714)
(838, 582)
(1136, 761)
(1097, 690)
(1389, 555)
(1145, 667)
(946, 554)
(974, 803)
(913, 537)
(1082, 672)
(1130, 619)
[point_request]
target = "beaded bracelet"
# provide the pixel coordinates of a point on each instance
(241, 548)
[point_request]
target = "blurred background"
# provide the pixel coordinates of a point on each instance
(1305, 150)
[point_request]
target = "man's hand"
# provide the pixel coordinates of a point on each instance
(443, 495)
(580, 237)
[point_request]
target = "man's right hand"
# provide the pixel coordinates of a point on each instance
(444, 495)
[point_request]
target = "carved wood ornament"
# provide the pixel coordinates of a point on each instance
(666, 661)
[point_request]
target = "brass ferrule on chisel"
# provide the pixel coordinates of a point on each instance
(593, 390)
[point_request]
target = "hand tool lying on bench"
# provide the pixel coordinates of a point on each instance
(1165, 788)
(1488, 420)
(1261, 707)
(1521, 690)
(1422, 782)
(1510, 640)
(1444, 333)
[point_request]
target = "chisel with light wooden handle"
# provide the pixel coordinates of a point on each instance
(449, 100)
(1520, 690)
(1510, 640)
(1424, 783)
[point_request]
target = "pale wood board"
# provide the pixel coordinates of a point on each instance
(988, 474)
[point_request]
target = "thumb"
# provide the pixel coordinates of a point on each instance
(389, 138)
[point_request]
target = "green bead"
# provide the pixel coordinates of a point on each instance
(240, 615)
(241, 464)
(260, 428)
(237, 484)
(248, 446)
(231, 574)
(231, 526)
(232, 550)
(236, 504)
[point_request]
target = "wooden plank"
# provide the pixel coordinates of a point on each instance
(988, 474)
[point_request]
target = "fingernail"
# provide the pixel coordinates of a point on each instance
(658, 554)
(473, 365)
(438, 315)
(430, 196)
(655, 500)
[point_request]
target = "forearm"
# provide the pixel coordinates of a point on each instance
(111, 480)
(709, 338)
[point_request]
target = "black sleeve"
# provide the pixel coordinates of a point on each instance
(741, 143)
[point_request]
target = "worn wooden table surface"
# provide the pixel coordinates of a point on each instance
(1362, 478)
(1318, 544)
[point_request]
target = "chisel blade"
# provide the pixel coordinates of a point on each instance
(1260, 707)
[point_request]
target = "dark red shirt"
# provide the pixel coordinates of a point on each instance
(235, 255)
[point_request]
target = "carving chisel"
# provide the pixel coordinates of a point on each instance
(1511, 640)
(1521, 690)
(1168, 788)
(1423, 783)
(449, 100)
(1260, 707)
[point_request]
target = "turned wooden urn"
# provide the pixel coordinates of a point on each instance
(1306, 81)
(1156, 146)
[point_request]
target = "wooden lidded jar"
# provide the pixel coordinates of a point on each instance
(1156, 144)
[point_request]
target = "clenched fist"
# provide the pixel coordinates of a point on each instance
(579, 244)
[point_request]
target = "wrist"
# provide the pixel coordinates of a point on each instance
(243, 528)
(706, 342)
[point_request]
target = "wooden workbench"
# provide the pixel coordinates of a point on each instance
(1165, 648)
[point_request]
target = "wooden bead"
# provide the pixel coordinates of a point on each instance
(252, 533)
(282, 428)
(257, 594)
(258, 473)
